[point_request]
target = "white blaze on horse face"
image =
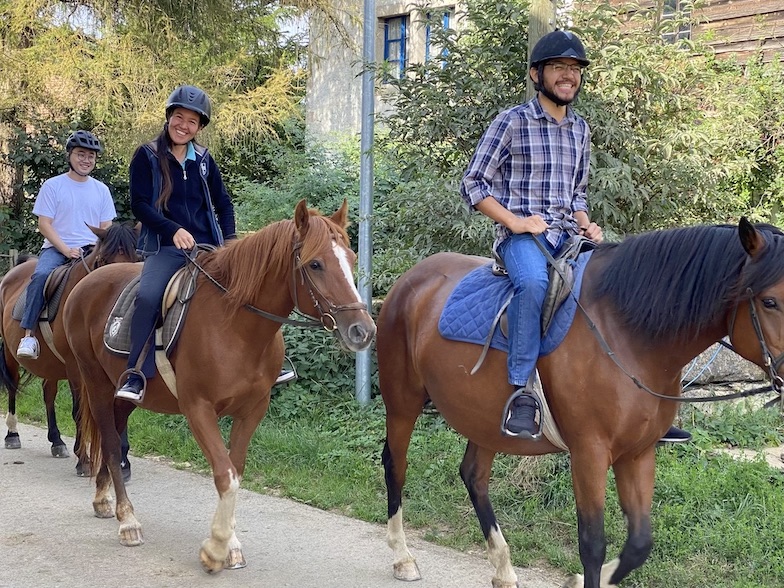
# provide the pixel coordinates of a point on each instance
(348, 270)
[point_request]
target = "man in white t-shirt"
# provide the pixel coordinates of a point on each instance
(65, 206)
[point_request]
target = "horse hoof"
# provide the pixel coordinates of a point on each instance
(131, 536)
(83, 470)
(103, 510)
(501, 584)
(209, 565)
(408, 571)
(575, 581)
(12, 441)
(235, 560)
(60, 451)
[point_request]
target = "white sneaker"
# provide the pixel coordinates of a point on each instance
(28, 348)
(285, 376)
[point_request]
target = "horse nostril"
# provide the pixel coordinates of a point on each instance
(359, 334)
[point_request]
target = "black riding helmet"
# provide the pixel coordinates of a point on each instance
(191, 98)
(558, 44)
(84, 139)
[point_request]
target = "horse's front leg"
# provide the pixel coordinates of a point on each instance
(59, 448)
(214, 553)
(475, 471)
(634, 479)
(589, 475)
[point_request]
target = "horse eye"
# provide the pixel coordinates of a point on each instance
(315, 265)
(770, 303)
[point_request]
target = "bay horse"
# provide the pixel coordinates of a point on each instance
(227, 358)
(115, 244)
(649, 304)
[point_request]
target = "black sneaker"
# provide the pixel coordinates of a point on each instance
(675, 435)
(521, 418)
(131, 390)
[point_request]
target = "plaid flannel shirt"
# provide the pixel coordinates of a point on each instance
(532, 164)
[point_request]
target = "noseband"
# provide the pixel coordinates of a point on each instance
(326, 316)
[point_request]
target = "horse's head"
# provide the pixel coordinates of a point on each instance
(115, 244)
(757, 324)
(324, 281)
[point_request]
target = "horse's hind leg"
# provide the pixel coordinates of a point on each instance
(53, 432)
(399, 429)
(83, 460)
(9, 378)
(475, 471)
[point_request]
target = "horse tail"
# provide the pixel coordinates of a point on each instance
(7, 380)
(90, 438)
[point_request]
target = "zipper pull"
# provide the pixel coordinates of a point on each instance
(184, 174)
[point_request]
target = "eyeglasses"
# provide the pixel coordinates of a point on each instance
(561, 68)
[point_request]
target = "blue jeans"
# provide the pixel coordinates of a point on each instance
(48, 260)
(156, 273)
(527, 268)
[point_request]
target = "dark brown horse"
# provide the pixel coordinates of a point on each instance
(656, 300)
(55, 362)
(227, 358)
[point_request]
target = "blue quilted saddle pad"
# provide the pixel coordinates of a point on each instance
(476, 300)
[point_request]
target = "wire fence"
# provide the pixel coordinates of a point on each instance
(8, 260)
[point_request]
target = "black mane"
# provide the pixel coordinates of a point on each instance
(673, 284)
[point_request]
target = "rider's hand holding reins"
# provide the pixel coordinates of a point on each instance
(183, 239)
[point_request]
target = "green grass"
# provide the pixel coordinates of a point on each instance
(717, 522)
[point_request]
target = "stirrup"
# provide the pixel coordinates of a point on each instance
(522, 434)
(124, 377)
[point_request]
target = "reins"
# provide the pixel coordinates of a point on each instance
(771, 363)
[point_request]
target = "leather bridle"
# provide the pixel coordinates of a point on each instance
(326, 312)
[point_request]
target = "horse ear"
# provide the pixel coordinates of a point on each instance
(301, 216)
(100, 233)
(752, 240)
(340, 218)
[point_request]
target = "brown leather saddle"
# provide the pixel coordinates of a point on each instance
(53, 293)
(561, 279)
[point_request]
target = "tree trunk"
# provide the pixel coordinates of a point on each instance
(541, 21)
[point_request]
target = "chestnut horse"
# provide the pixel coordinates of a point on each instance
(648, 305)
(228, 356)
(117, 243)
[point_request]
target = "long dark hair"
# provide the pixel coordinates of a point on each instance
(162, 145)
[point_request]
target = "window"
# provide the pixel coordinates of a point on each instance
(677, 9)
(395, 45)
(442, 20)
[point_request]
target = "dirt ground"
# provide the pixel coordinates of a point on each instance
(49, 537)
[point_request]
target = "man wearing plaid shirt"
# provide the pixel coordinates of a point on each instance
(529, 174)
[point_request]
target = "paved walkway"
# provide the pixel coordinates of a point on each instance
(49, 537)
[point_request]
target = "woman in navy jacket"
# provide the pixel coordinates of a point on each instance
(178, 196)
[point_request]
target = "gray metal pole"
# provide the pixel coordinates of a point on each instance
(366, 189)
